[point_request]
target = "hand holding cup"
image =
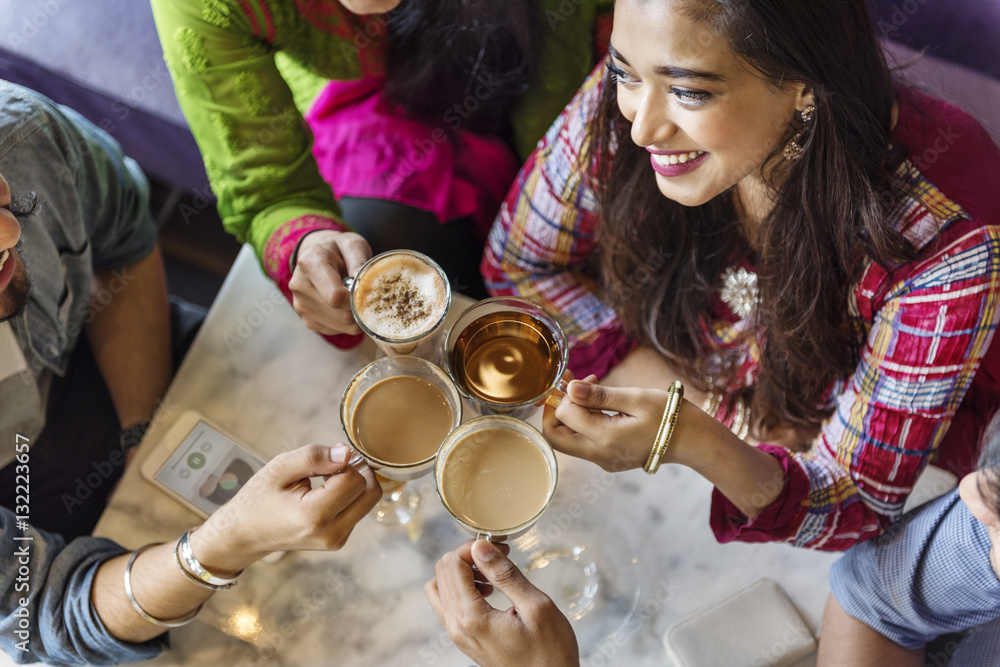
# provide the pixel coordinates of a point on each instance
(279, 510)
(533, 633)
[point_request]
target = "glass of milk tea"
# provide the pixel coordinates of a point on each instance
(496, 475)
(396, 411)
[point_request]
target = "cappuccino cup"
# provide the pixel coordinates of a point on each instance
(400, 300)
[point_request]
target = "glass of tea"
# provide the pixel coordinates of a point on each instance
(400, 300)
(397, 411)
(496, 475)
(507, 355)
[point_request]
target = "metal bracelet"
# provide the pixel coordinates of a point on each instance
(197, 570)
(142, 612)
(675, 396)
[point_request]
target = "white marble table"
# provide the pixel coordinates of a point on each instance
(260, 375)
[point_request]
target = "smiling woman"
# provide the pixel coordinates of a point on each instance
(736, 200)
(741, 103)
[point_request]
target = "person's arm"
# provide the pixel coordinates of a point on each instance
(277, 510)
(847, 642)
(891, 415)
(927, 339)
(46, 612)
(546, 235)
(130, 336)
(534, 633)
(90, 181)
(623, 441)
(256, 146)
(66, 604)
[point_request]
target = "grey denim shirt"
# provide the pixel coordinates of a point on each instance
(93, 213)
(45, 609)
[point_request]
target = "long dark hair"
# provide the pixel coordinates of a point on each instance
(443, 52)
(829, 213)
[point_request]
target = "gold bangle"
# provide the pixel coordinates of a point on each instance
(675, 396)
(142, 612)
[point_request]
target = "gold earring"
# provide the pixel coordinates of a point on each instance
(793, 149)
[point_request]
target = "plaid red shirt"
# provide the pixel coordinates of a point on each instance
(925, 384)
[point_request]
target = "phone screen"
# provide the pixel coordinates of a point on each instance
(208, 468)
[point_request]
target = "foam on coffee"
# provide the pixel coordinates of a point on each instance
(400, 297)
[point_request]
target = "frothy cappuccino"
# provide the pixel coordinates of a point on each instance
(400, 296)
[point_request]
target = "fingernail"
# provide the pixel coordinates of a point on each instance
(339, 453)
(485, 550)
(578, 390)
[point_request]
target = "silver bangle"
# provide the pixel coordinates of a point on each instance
(190, 577)
(183, 547)
(142, 612)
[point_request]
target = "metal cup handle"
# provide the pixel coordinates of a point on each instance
(477, 575)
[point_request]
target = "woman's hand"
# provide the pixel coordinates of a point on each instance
(618, 442)
(325, 257)
(278, 510)
(532, 633)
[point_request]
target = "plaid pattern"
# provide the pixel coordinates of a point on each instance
(928, 325)
(928, 576)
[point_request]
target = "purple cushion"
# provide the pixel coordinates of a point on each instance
(104, 60)
(965, 32)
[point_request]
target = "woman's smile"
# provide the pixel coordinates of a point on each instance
(675, 164)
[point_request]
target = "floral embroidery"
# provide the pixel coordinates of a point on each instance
(225, 129)
(276, 254)
(216, 12)
(192, 48)
(251, 93)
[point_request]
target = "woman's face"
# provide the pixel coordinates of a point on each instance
(983, 510)
(369, 6)
(708, 122)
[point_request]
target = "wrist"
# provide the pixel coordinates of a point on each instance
(301, 243)
(281, 248)
(218, 549)
(694, 440)
(130, 437)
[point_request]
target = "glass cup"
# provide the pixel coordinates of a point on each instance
(507, 356)
(397, 411)
(400, 300)
(496, 475)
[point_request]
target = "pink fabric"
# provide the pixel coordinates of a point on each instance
(788, 510)
(366, 147)
(602, 354)
(277, 261)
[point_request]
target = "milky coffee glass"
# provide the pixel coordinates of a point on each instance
(477, 436)
(398, 504)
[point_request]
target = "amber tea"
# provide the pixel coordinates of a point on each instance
(506, 357)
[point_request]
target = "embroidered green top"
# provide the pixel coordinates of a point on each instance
(245, 70)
